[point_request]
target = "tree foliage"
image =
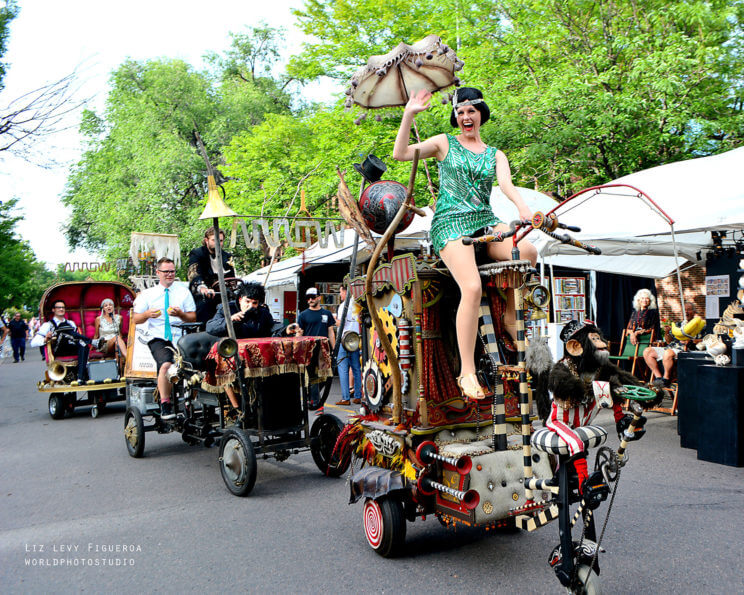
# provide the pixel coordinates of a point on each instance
(23, 279)
(581, 92)
(141, 170)
(8, 12)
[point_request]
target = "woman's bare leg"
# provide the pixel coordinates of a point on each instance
(460, 261)
(503, 251)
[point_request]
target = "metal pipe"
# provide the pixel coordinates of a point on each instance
(427, 453)
(469, 498)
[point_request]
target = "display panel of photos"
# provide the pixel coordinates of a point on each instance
(329, 293)
(569, 299)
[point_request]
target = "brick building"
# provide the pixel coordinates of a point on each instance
(693, 285)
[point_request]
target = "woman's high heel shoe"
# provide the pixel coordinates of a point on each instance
(470, 387)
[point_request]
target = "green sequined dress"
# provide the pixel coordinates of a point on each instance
(465, 182)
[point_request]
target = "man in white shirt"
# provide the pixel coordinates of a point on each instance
(162, 309)
(345, 358)
(69, 341)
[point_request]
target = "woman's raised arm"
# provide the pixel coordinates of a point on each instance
(432, 147)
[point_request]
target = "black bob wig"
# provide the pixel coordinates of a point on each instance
(469, 94)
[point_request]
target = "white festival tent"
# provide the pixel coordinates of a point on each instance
(633, 220)
(638, 219)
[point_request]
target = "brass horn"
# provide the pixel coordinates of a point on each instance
(351, 341)
(227, 347)
(56, 371)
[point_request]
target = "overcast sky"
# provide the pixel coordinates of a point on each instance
(49, 39)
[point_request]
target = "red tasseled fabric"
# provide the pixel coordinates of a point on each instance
(439, 378)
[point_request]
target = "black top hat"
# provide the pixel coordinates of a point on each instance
(372, 168)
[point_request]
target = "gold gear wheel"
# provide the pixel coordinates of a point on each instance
(391, 330)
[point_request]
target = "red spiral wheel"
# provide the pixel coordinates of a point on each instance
(385, 525)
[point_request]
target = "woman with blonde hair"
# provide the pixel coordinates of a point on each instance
(645, 317)
(108, 327)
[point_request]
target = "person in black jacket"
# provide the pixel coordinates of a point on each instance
(202, 276)
(251, 320)
(251, 317)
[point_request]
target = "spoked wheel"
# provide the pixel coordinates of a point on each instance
(323, 435)
(56, 406)
(385, 525)
(134, 432)
(587, 582)
(237, 462)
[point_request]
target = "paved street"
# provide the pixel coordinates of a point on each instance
(166, 523)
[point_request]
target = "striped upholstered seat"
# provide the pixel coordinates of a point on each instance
(548, 441)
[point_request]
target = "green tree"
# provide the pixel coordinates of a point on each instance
(8, 12)
(141, 170)
(580, 91)
(23, 279)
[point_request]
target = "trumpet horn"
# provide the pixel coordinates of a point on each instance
(56, 371)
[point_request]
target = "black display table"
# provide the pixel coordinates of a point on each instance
(720, 432)
(688, 394)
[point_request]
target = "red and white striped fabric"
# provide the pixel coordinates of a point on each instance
(562, 421)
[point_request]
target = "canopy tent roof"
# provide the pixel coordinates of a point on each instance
(632, 219)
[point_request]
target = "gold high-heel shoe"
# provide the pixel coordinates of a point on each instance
(470, 387)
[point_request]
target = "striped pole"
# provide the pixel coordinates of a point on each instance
(524, 400)
(498, 408)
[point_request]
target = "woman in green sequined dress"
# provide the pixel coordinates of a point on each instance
(467, 167)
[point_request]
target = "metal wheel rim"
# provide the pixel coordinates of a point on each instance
(234, 461)
(130, 432)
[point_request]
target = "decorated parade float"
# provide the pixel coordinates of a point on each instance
(271, 376)
(104, 383)
(419, 448)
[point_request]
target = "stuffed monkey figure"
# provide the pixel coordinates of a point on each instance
(582, 383)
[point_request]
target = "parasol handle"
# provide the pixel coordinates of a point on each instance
(430, 185)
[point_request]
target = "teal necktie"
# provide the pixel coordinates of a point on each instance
(168, 333)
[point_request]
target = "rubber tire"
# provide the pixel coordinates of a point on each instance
(588, 581)
(97, 409)
(240, 482)
(326, 428)
(385, 525)
(133, 419)
(56, 406)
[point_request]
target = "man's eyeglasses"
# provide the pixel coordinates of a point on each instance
(168, 272)
(59, 307)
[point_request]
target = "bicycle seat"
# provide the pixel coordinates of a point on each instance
(191, 327)
(194, 348)
(546, 440)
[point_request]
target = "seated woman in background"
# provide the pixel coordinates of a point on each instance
(108, 328)
(645, 318)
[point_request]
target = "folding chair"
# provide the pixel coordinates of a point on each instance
(632, 353)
